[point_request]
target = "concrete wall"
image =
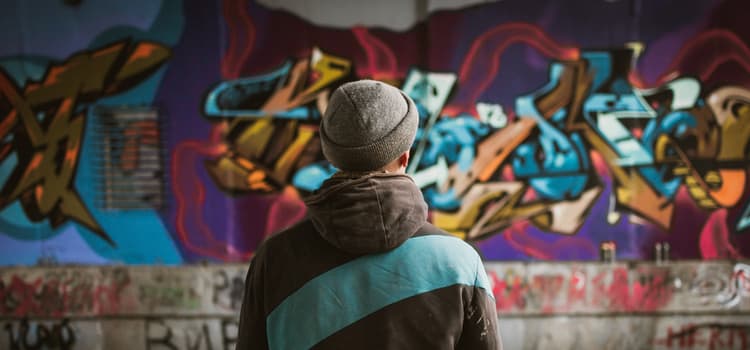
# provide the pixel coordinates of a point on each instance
(491, 169)
(680, 305)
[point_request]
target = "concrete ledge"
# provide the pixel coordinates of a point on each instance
(554, 332)
(521, 289)
(633, 288)
(680, 305)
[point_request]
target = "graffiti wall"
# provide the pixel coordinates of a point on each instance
(170, 132)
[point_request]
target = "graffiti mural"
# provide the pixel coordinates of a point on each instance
(592, 138)
(50, 210)
(539, 138)
(681, 141)
(269, 139)
(47, 151)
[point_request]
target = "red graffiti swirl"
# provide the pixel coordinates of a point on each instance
(380, 58)
(711, 48)
(241, 37)
(486, 50)
(190, 209)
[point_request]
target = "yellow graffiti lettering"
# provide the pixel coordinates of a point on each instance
(264, 152)
(48, 149)
(309, 80)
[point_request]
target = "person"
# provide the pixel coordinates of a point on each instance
(365, 269)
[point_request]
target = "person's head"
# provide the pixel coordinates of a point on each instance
(369, 126)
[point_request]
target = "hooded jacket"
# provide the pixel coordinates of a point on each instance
(366, 270)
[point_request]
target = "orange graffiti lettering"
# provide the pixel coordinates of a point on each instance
(48, 149)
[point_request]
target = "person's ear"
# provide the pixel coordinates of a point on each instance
(403, 160)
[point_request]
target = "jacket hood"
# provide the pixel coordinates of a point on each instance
(369, 214)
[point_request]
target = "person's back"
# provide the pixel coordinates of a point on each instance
(365, 270)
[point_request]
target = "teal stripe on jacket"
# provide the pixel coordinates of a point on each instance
(347, 293)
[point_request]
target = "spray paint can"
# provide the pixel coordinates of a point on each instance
(607, 251)
(661, 252)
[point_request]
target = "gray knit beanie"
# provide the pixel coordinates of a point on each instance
(367, 125)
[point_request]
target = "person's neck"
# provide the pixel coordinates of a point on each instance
(357, 174)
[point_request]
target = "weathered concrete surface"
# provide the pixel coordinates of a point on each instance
(627, 332)
(121, 291)
(127, 334)
(686, 305)
(594, 288)
(555, 332)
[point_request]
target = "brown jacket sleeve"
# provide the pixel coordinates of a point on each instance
(480, 328)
